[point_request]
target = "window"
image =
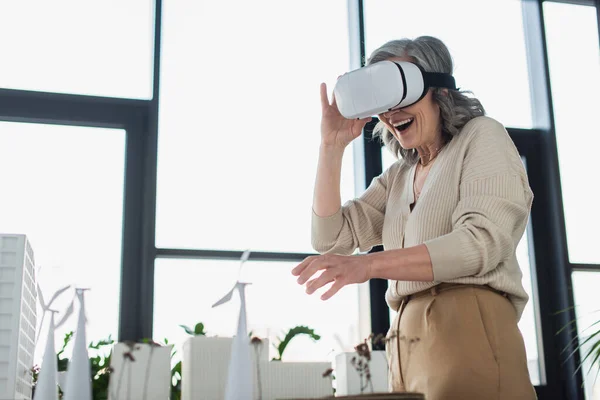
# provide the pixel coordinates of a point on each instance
(239, 121)
(492, 65)
(587, 311)
(101, 48)
(575, 81)
(275, 304)
(63, 188)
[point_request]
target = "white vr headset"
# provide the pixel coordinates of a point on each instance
(385, 86)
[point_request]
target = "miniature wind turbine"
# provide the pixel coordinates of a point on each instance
(46, 306)
(46, 387)
(240, 385)
(79, 380)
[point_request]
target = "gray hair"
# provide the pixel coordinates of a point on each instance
(456, 109)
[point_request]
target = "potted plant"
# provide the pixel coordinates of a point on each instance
(140, 371)
(363, 373)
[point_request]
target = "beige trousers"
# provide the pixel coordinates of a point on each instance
(458, 342)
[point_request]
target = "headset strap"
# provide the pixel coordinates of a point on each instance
(439, 79)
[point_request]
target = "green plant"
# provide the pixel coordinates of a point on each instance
(176, 381)
(100, 365)
(197, 331)
(589, 346)
(292, 333)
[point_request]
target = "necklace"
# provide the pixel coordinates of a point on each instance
(431, 158)
(425, 168)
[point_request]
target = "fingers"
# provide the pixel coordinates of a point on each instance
(357, 126)
(324, 279)
(363, 122)
(307, 268)
(302, 266)
(310, 270)
(337, 285)
(310, 266)
(324, 99)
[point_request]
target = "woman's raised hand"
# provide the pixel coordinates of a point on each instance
(336, 130)
(341, 270)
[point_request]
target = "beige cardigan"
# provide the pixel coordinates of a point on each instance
(471, 215)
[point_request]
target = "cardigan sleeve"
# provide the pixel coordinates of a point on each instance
(493, 209)
(357, 224)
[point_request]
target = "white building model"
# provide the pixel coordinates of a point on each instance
(17, 317)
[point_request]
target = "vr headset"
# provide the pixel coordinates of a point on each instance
(385, 86)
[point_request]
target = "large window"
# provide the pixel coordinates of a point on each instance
(63, 188)
(239, 137)
(485, 39)
(92, 47)
(239, 121)
(575, 80)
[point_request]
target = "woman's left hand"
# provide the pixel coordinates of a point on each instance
(341, 270)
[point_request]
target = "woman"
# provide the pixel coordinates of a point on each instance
(450, 214)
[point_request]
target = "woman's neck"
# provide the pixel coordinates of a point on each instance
(429, 151)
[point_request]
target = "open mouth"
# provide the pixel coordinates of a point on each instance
(403, 125)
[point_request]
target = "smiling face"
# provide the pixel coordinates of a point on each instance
(417, 125)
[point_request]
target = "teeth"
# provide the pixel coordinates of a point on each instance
(402, 122)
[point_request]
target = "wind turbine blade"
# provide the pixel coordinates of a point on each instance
(225, 298)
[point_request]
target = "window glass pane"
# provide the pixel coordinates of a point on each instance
(575, 85)
(240, 121)
(587, 310)
(186, 289)
(486, 54)
(90, 47)
(387, 158)
(529, 324)
(64, 190)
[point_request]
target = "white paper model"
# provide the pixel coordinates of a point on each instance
(79, 380)
(140, 371)
(47, 383)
